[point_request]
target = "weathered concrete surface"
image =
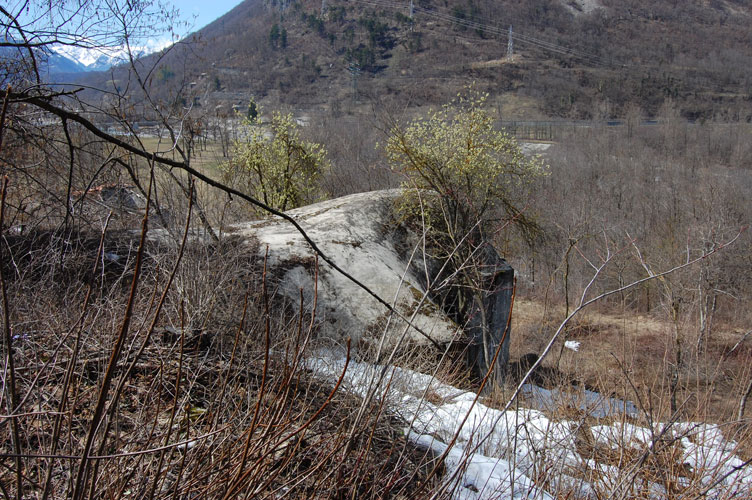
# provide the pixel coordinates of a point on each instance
(488, 326)
(358, 233)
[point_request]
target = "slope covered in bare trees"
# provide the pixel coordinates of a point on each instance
(570, 59)
(146, 353)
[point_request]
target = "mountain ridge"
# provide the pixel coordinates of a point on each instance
(572, 58)
(77, 59)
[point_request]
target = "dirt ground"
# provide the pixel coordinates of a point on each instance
(635, 356)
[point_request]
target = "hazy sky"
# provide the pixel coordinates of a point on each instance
(205, 11)
(45, 16)
(40, 13)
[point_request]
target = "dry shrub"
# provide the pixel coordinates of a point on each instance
(204, 394)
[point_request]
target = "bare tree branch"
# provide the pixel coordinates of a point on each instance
(46, 104)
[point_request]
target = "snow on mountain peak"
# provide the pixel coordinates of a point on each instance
(102, 58)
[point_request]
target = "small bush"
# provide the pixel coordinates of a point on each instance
(276, 165)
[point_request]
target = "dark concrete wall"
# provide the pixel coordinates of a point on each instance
(489, 324)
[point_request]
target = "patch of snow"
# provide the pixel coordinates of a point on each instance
(579, 7)
(590, 402)
(532, 148)
(497, 453)
(479, 477)
(619, 435)
(572, 345)
(706, 450)
(494, 452)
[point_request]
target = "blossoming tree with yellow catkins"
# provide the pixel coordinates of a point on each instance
(273, 163)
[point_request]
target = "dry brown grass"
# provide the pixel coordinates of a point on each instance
(629, 356)
(209, 398)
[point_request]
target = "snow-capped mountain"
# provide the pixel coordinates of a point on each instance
(75, 59)
(58, 63)
(62, 59)
(13, 55)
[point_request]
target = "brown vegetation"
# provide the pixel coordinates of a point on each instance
(138, 366)
(577, 65)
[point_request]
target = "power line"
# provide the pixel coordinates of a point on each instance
(487, 28)
(492, 30)
(543, 44)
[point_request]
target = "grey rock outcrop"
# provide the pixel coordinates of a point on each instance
(359, 233)
(353, 231)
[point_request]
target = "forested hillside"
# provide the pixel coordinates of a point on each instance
(571, 58)
(154, 348)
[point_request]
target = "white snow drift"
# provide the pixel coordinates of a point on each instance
(525, 454)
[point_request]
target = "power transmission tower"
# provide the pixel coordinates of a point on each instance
(510, 44)
(354, 69)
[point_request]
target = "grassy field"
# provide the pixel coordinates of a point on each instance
(631, 355)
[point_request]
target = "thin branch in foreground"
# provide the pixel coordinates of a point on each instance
(80, 482)
(584, 302)
(9, 360)
(45, 104)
